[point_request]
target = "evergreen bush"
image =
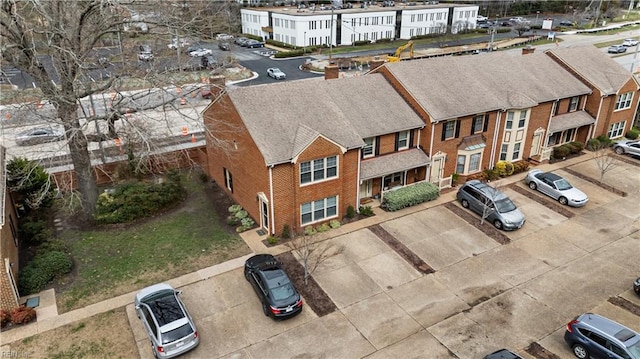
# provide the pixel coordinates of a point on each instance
(411, 195)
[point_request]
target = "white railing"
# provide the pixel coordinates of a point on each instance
(546, 153)
(446, 182)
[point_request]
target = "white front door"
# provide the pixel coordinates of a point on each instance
(437, 168)
(536, 143)
(365, 188)
(264, 211)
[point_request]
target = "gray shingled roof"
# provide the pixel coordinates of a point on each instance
(595, 66)
(283, 118)
(395, 162)
(450, 87)
(570, 120)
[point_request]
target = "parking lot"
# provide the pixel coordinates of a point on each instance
(483, 295)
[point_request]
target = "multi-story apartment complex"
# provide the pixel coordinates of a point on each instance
(335, 27)
(300, 153)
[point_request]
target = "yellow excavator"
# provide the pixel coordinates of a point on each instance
(396, 55)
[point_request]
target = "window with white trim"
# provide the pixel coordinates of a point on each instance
(516, 151)
(449, 129)
(403, 140)
(318, 170)
(478, 124)
(616, 129)
(393, 179)
(319, 210)
(369, 148)
(523, 119)
(624, 101)
(503, 152)
(509, 123)
(573, 104)
(468, 162)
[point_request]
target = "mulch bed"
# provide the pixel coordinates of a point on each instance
(401, 249)
(540, 352)
(486, 228)
(555, 206)
(314, 296)
(625, 304)
(596, 182)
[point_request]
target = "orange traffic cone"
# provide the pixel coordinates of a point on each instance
(193, 138)
(183, 101)
(7, 116)
(185, 131)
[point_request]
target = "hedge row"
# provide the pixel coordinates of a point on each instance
(566, 149)
(410, 196)
(42, 270)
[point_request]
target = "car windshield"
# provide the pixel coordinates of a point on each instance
(177, 334)
(563, 185)
(505, 205)
(634, 349)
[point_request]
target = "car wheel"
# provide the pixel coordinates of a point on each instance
(497, 224)
(563, 201)
(580, 351)
(619, 150)
(265, 309)
(465, 203)
(533, 185)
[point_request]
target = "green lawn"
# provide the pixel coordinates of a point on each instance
(119, 259)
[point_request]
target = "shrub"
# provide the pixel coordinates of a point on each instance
(504, 168)
(42, 270)
(241, 214)
(22, 315)
(334, 223)
(34, 230)
(351, 212)
(604, 140)
(560, 152)
(232, 220)
(323, 228)
(520, 166)
(246, 223)
(361, 42)
(309, 231)
(491, 174)
(235, 208)
(577, 146)
(132, 201)
(5, 318)
(286, 232)
(411, 195)
(633, 133)
(593, 144)
(272, 240)
(366, 211)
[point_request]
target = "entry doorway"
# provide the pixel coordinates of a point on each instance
(264, 211)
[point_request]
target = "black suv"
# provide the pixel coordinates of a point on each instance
(594, 336)
(276, 292)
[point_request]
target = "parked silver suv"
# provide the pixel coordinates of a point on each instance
(491, 204)
(594, 336)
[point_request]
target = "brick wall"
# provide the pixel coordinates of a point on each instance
(8, 251)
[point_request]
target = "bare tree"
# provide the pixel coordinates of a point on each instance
(312, 252)
(603, 159)
(521, 28)
(489, 199)
(53, 41)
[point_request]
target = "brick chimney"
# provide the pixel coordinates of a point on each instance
(216, 84)
(376, 62)
(331, 71)
(528, 50)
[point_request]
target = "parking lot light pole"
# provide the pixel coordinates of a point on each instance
(304, 49)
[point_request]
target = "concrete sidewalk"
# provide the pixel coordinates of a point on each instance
(48, 317)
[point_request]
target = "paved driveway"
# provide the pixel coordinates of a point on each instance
(482, 296)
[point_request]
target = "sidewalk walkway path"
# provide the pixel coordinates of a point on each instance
(48, 317)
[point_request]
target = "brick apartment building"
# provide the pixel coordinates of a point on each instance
(9, 297)
(301, 152)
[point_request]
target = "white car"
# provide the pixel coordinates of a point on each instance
(629, 42)
(481, 18)
(145, 56)
(627, 146)
(200, 52)
(518, 19)
(276, 73)
(224, 37)
(175, 43)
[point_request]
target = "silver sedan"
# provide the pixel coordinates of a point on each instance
(556, 187)
(626, 146)
(36, 136)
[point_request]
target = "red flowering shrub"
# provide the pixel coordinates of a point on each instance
(22, 315)
(5, 318)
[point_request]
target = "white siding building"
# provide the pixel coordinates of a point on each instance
(307, 27)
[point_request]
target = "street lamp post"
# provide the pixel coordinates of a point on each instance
(304, 49)
(537, 13)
